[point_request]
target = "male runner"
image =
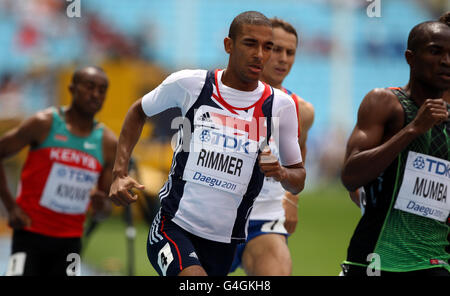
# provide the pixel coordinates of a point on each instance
(399, 151)
(218, 167)
(68, 166)
(275, 211)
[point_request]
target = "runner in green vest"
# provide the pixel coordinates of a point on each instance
(399, 151)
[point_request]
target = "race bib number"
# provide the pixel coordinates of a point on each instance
(424, 189)
(223, 151)
(68, 189)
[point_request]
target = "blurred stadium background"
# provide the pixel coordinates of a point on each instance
(343, 53)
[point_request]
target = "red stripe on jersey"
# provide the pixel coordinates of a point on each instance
(232, 109)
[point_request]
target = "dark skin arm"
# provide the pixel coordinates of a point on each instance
(129, 135)
(31, 132)
(378, 136)
(99, 196)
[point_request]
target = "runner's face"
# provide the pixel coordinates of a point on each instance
(282, 58)
(89, 93)
(251, 50)
(432, 62)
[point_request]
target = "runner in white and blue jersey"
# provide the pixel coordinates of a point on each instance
(275, 211)
(218, 165)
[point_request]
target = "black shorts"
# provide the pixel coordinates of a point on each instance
(171, 249)
(36, 254)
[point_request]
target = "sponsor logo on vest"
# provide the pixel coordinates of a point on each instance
(89, 146)
(220, 162)
(224, 141)
(61, 138)
(434, 166)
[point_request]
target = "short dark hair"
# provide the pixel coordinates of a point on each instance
(420, 33)
(78, 74)
(247, 18)
(445, 18)
(279, 23)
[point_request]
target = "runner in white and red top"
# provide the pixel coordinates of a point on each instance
(217, 170)
(275, 211)
(68, 165)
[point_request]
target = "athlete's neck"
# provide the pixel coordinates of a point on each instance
(231, 79)
(79, 123)
(420, 92)
(271, 82)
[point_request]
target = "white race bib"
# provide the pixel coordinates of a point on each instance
(221, 156)
(68, 189)
(424, 189)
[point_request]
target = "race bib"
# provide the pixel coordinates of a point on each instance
(424, 189)
(223, 151)
(68, 189)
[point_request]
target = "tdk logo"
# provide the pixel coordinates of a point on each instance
(419, 163)
(205, 136)
(225, 141)
(432, 166)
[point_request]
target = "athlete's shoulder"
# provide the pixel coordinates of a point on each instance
(383, 98)
(109, 144)
(302, 103)
(282, 97)
(186, 77)
(380, 103)
(42, 119)
(108, 135)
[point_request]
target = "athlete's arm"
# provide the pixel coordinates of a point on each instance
(31, 132)
(129, 135)
(369, 152)
(306, 119)
(290, 172)
(354, 196)
(99, 196)
(174, 91)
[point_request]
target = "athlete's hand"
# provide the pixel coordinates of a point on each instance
(270, 166)
(100, 203)
(432, 112)
(18, 219)
(120, 192)
(290, 212)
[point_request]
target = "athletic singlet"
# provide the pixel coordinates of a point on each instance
(57, 178)
(268, 204)
(408, 204)
(215, 177)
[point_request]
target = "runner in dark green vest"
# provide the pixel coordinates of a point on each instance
(399, 151)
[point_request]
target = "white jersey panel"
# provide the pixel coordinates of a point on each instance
(207, 213)
(267, 205)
